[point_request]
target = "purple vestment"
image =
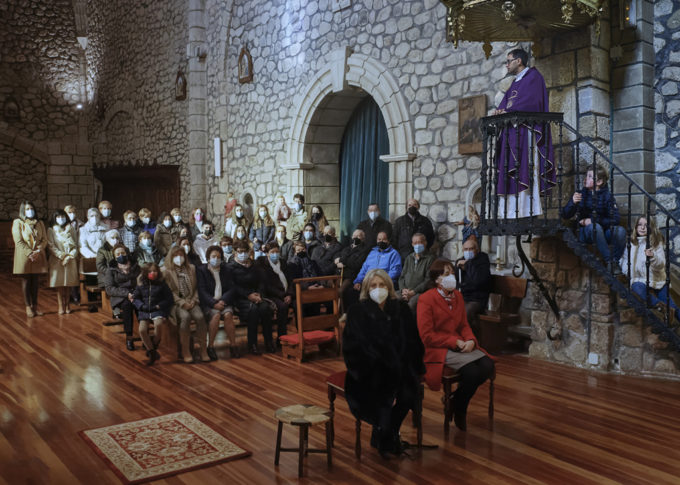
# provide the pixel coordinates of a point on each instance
(527, 94)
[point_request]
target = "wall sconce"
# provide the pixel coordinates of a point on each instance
(218, 157)
(627, 14)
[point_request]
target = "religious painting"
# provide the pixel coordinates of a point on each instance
(245, 66)
(470, 113)
(180, 86)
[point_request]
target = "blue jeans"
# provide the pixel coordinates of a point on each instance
(616, 236)
(654, 297)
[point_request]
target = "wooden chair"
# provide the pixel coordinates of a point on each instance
(493, 325)
(336, 387)
(313, 330)
(450, 377)
(88, 265)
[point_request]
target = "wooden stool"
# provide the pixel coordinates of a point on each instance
(304, 416)
(450, 377)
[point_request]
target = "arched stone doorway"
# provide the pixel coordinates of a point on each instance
(322, 112)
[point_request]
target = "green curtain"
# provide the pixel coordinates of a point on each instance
(364, 178)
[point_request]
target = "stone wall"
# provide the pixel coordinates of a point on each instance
(23, 178)
(134, 53)
(598, 330)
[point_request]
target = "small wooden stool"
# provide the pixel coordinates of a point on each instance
(304, 416)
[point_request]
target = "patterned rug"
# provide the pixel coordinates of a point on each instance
(153, 448)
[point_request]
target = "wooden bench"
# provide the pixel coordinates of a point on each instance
(6, 244)
(494, 323)
(88, 265)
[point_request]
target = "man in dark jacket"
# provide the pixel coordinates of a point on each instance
(350, 261)
(374, 224)
(475, 281)
(409, 224)
(326, 253)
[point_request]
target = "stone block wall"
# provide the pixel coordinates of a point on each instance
(594, 323)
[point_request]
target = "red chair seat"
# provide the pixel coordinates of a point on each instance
(337, 380)
(313, 337)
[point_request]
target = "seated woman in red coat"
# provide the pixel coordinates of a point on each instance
(384, 358)
(449, 340)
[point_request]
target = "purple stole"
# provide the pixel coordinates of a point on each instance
(513, 151)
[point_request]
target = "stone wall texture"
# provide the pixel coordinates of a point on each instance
(23, 178)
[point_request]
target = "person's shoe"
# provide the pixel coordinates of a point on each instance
(92, 309)
(153, 356)
(460, 418)
(254, 350)
(37, 312)
(270, 348)
(188, 359)
(130, 344)
(212, 355)
(234, 351)
(29, 312)
(205, 357)
(614, 268)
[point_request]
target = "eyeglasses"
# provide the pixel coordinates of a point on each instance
(510, 60)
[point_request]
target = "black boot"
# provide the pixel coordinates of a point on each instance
(254, 350)
(153, 356)
(129, 343)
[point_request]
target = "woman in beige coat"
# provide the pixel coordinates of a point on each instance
(63, 269)
(30, 241)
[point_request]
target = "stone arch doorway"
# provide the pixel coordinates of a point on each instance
(321, 114)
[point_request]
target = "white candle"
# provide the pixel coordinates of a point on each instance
(498, 252)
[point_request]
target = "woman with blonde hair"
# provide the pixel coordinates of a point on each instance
(238, 218)
(30, 241)
(384, 358)
(262, 229)
(63, 269)
(646, 245)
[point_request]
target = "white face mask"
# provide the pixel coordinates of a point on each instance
(93, 220)
(448, 282)
(186, 248)
(131, 222)
(239, 214)
(30, 213)
(378, 295)
(146, 220)
(263, 214)
(167, 224)
(61, 221)
(106, 212)
(373, 215)
(71, 216)
(240, 235)
(177, 218)
(178, 260)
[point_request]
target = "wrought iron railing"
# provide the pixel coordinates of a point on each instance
(549, 184)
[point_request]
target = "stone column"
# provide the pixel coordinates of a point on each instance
(197, 119)
(401, 180)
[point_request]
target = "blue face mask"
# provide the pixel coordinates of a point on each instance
(227, 249)
(215, 262)
(418, 248)
(298, 206)
(243, 257)
(274, 257)
(468, 254)
(308, 235)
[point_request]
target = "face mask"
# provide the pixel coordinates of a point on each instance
(167, 224)
(93, 221)
(113, 241)
(207, 232)
(373, 215)
(279, 236)
(240, 235)
(177, 218)
(186, 248)
(152, 276)
(378, 295)
(308, 235)
(131, 223)
(30, 213)
(178, 260)
(448, 282)
(239, 214)
(418, 248)
(146, 220)
(106, 212)
(274, 257)
(145, 243)
(357, 241)
(468, 254)
(298, 206)
(122, 259)
(412, 210)
(302, 254)
(227, 249)
(215, 262)
(198, 216)
(72, 216)
(61, 221)
(263, 214)
(383, 245)
(328, 238)
(242, 257)
(315, 216)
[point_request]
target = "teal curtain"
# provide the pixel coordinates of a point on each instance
(364, 178)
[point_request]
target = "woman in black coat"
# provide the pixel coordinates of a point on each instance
(275, 284)
(153, 299)
(384, 357)
(120, 282)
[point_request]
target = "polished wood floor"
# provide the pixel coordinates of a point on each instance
(553, 424)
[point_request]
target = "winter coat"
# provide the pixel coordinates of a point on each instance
(245, 278)
(295, 224)
(372, 228)
(206, 286)
(353, 259)
(325, 257)
(270, 283)
(638, 263)
(404, 229)
(383, 353)
(262, 233)
(416, 275)
(153, 300)
(118, 284)
(143, 256)
(62, 244)
(104, 258)
(29, 235)
(171, 278)
(130, 236)
(303, 268)
(91, 239)
(607, 212)
(387, 259)
(475, 279)
(162, 239)
(440, 328)
(201, 245)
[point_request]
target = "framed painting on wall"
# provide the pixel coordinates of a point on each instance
(470, 113)
(245, 66)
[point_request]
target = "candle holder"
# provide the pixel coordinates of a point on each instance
(499, 265)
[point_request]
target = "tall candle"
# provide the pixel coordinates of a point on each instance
(498, 252)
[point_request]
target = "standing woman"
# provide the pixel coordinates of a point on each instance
(63, 269)
(30, 241)
(196, 224)
(449, 340)
(153, 299)
(384, 358)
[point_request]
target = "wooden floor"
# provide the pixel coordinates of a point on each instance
(553, 424)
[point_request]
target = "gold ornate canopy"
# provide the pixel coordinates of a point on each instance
(516, 20)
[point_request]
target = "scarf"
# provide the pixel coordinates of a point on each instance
(277, 269)
(449, 299)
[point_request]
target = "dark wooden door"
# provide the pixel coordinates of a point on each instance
(156, 188)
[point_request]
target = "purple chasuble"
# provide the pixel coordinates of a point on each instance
(513, 151)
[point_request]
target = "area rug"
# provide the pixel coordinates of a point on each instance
(154, 448)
